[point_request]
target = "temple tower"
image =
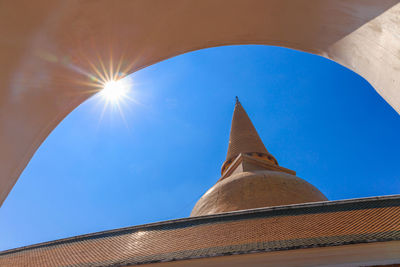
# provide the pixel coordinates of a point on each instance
(251, 177)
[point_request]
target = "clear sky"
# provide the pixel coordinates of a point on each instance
(99, 171)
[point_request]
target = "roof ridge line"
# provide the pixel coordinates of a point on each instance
(204, 217)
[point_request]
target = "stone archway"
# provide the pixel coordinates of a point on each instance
(50, 50)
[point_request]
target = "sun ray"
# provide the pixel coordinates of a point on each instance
(118, 69)
(97, 71)
(111, 68)
(103, 68)
(106, 78)
(122, 115)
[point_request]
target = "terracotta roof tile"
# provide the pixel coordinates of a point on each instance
(266, 229)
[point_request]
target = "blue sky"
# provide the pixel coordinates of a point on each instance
(98, 172)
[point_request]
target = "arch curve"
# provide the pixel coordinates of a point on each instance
(55, 49)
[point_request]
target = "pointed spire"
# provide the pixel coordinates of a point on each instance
(243, 136)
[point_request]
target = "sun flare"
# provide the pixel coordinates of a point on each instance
(115, 90)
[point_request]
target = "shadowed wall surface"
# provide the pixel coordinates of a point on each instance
(53, 53)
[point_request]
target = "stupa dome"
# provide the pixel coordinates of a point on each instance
(256, 189)
(251, 176)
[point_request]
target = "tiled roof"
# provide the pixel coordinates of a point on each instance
(267, 229)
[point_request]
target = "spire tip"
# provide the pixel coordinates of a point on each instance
(237, 99)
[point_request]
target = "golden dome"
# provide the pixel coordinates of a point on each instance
(256, 189)
(251, 176)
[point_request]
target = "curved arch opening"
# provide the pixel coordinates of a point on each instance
(111, 171)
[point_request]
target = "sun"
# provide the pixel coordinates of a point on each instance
(115, 90)
(115, 94)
